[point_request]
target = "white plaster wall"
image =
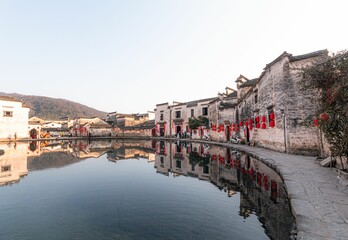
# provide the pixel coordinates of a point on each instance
(17, 124)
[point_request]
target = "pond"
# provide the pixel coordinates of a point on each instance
(138, 190)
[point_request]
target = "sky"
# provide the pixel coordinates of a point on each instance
(128, 56)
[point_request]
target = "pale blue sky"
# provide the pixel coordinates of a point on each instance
(127, 56)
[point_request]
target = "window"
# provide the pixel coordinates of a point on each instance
(192, 112)
(206, 169)
(205, 111)
(178, 164)
(256, 97)
(161, 117)
(6, 168)
(193, 167)
(177, 114)
(8, 114)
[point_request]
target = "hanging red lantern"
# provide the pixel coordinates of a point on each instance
(250, 121)
(246, 124)
(263, 125)
(241, 124)
(257, 125)
(271, 116)
(272, 123)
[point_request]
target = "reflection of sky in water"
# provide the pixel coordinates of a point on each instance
(100, 199)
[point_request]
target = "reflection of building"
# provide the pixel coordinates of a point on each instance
(13, 118)
(261, 188)
(90, 149)
(13, 163)
(187, 159)
(131, 149)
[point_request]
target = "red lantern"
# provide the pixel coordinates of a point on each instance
(271, 123)
(246, 124)
(271, 116)
(263, 125)
(257, 125)
(241, 124)
(250, 121)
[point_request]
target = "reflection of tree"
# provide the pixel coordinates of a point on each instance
(195, 159)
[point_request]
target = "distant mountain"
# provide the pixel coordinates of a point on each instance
(55, 108)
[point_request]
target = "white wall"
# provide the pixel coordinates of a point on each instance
(17, 124)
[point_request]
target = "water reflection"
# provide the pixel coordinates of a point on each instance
(260, 189)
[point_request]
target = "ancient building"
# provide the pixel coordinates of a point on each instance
(13, 119)
(272, 109)
(173, 120)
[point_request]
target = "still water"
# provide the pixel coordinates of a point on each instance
(138, 190)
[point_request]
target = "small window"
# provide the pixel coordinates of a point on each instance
(6, 168)
(192, 112)
(178, 164)
(8, 114)
(206, 169)
(256, 97)
(177, 114)
(161, 117)
(205, 111)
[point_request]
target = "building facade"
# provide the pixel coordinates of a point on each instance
(13, 119)
(269, 111)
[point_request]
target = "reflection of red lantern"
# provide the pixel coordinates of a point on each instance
(316, 122)
(324, 116)
(263, 118)
(257, 119)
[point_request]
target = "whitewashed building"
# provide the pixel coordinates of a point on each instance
(13, 118)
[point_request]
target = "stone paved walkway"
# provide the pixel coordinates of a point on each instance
(319, 200)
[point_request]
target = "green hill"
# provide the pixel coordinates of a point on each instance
(55, 108)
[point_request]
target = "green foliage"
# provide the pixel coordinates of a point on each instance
(330, 81)
(194, 123)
